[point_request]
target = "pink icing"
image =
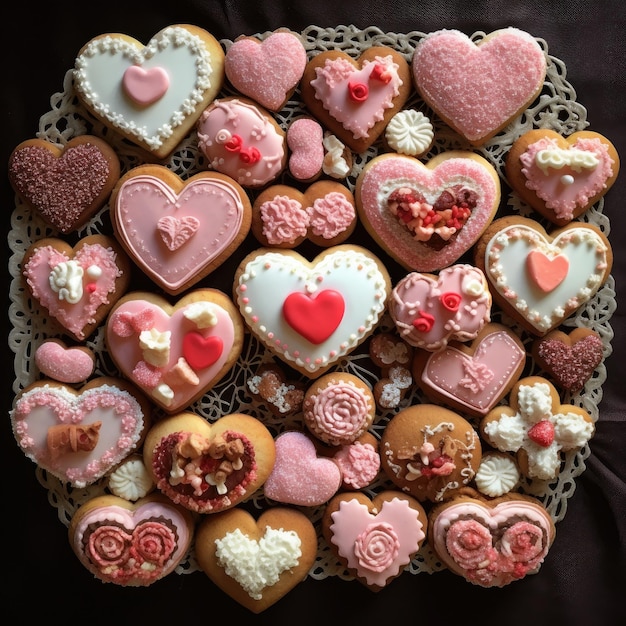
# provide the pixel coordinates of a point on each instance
(174, 236)
(331, 215)
(145, 86)
(304, 138)
(376, 547)
(67, 365)
(358, 115)
(97, 286)
(478, 88)
(241, 142)
(565, 197)
(428, 312)
(359, 464)
(284, 220)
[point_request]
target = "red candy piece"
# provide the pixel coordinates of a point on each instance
(200, 351)
(314, 317)
(542, 433)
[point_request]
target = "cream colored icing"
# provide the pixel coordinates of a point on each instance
(497, 474)
(131, 479)
(409, 132)
(334, 164)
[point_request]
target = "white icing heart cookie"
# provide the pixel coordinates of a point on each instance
(311, 313)
(151, 95)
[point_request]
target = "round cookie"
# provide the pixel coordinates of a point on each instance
(409, 132)
(131, 479)
(498, 474)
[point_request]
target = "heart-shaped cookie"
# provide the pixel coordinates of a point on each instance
(78, 285)
(79, 435)
(561, 177)
(319, 310)
(491, 543)
(426, 216)
(130, 544)
(175, 352)
(541, 278)
(268, 70)
(66, 364)
(66, 184)
(256, 561)
(177, 232)
(500, 75)
(209, 467)
(374, 538)
(151, 95)
(472, 378)
(355, 99)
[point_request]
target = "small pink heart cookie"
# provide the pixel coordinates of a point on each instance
(268, 70)
(177, 232)
(174, 352)
(78, 285)
(79, 435)
(426, 216)
(66, 364)
(500, 76)
(305, 139)
(131, 544)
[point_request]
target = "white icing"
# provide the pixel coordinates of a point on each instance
(66, 280)
(155, 346)
(409, 132)
(131, 480)
(202, 314)
(334, 163)
(496, 475)
(557, 158)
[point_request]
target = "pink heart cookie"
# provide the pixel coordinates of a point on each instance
(77, 285)
(267, 70)
(500, 75)
(427, 216)
(67, 365)
(175, 353)
(78, 436)
(305, 139)
(177, 232)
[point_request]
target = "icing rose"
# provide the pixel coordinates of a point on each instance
(284, 220)
(359, 464)
(469, 543)
(523, 542)
(331, 215)
(109, 546)
(377, 547)
(153, 542)
(451, 301)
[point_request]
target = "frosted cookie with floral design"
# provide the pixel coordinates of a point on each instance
(178, 231)
(561, 176)
(76, 285)
(320, 310)
(394, 357)
(491, 542)
(537, 427)
(427, 215)
(131, 544)
(358, 461)
(356, 98)
(153, 94)
(375, 539)
(174, 352)
(205, 466)
(542, 278)
(256, 561)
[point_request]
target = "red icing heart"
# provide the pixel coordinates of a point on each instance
(145, 86)
(547, 273)
(314, 317)
(200, 351)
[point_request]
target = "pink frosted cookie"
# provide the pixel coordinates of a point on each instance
(66, 364)
(243, 141)
(77, 286)
(426, 216)
(539, 278)
(174, 352)
(499, 75)
(130, 544)
(151, 95)
(429, 310)
(320, 310)
(561, 177)
(491, 543)
(359, 462)
(66, 185)
(355, 99)
(375, 538)
(79, 435)
(305, 139)
(178, 231)
(268, 70)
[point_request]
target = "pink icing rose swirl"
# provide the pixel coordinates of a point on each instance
(109, 546)
(359, 464)
(469, 543)
(284, 220)
(331, 215)
(377, 547)
(153, 542)
(523, 543)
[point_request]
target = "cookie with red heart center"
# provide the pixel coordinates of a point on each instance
(355, 99)
(256, 561)
(174, 352)
(209, 467)
(66, 184)
(177, 232)
(130, 544)
(561, 177)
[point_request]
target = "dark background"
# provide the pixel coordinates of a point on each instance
(582, 579)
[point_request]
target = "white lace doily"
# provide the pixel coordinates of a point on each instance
(556, 109)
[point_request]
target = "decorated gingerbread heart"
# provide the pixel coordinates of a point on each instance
(319, 310)
(355, 99)
(151, 95)
(426, 216)
(174, 352)
(79, 435)
(209, 467)
(177, 232)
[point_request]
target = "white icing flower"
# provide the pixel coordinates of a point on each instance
(202, 314)
(409, 132)
(334, 163)
(66, 280)
(498, 474)
(131, 480)
(156, 346)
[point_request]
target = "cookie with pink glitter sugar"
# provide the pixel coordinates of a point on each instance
(305, 139)
(67, 364)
